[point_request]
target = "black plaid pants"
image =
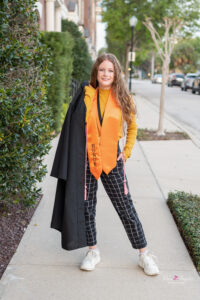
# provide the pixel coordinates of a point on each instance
(123, 204)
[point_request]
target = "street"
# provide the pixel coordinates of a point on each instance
(183, 106)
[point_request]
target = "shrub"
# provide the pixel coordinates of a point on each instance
(82, 60)
(185, 208)
(59, 46)
(25, 117)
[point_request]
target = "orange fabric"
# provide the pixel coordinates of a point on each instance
(131, 128)
(89, 95)
(102, 140)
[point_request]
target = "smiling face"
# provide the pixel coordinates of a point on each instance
(105, 75)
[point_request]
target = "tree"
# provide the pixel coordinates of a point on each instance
(82, 62)
(195, 42)
(59, 46)
(180, 19)
(164, 46)
(161, 19)
(185, 56)
(25, 116)
(118, 33)
(102, 50)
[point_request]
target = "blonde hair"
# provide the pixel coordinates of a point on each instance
(121, 92)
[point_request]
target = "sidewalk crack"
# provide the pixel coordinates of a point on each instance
(153, 173)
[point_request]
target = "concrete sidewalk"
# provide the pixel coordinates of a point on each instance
(174, 163)
(41, 269)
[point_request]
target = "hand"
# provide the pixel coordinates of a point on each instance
(121, 155)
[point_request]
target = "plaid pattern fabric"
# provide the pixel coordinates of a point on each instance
(123, 204)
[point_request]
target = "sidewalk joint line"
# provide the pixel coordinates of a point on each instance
(154, 175)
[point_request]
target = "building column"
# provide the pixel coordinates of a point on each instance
(58, 19)
(50, 15)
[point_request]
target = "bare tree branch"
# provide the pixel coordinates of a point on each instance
(165, 47)
(155, 36)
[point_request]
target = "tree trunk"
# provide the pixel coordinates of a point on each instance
(165, 67)
(152, 65)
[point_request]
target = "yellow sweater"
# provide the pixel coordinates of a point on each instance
(103, 97)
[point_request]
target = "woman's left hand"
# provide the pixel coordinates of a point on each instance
(121, 155)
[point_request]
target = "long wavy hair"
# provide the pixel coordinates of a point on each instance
(121, 92)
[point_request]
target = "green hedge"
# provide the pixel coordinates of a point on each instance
(25, 116)
(82, 64)
(185, 208)
(59, 46)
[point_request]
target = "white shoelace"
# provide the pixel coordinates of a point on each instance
(91, 253)
(152, 256)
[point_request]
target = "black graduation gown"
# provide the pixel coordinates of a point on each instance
(69, 167)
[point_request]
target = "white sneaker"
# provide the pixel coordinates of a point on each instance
(148, 264)
(91, 259)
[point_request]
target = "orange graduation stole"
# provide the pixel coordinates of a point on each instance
(102, 140)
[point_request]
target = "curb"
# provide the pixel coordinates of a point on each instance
(178, 124)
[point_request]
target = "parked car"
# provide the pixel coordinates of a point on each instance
(196, 85)
(157, 78)
(187, 83)
(175, 79)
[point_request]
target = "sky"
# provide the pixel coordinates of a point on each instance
(100, 34)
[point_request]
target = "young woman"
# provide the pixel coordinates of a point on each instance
(107, 106)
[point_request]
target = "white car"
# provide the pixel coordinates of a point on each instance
(188, 81)
(157, 78)
(175, 79)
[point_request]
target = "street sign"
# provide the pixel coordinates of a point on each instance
(131, 56)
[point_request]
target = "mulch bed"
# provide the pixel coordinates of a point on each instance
(151, 135)
(13, 223)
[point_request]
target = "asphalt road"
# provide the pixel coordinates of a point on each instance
(183, 106)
